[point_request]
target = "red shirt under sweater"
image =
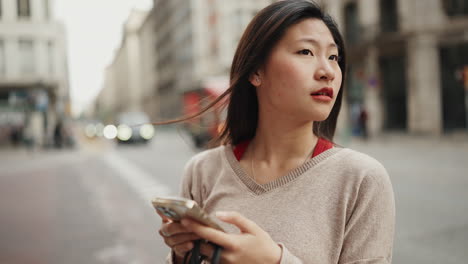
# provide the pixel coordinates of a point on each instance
(322, 145)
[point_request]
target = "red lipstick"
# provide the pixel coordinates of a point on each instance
(325, 94)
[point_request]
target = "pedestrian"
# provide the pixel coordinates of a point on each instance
(362, 120)
(15, 135)
(58, 134)
(283, 191)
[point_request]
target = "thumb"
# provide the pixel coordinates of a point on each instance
(245, 225)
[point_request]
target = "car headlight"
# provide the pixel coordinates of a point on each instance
(110, 131)
(147, 131)
(124, 132)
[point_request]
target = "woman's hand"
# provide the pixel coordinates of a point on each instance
(252, 245)
(177, 237)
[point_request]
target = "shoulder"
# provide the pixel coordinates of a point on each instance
(366, 184)
(358, 160)
(206, 161)
(201, 172)
(206, 156)
(362, 167)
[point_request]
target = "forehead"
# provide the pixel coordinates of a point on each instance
(310, 28)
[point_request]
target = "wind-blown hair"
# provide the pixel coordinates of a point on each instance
(255, 45)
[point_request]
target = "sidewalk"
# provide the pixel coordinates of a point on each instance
(405, 141)
(429, 178)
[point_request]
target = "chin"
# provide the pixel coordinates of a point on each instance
(321, 119)
(320, 115)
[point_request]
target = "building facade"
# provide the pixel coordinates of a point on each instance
(149, 76)
(129, 79)
(34, 89)
(196, 41)
(407, 61)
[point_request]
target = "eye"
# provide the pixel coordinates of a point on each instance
(334, 58)
(305, 52)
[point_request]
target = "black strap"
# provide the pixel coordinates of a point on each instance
(216, 258)
(194, 256)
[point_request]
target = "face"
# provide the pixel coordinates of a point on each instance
(301, 78)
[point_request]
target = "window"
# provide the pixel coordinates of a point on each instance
(24, 8)
(27, 60)
(47, 9)
(51, 57)
(388, 16)
(352, 23)
(455, 7)
(2, 58)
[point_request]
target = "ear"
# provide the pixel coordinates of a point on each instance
(255, 79)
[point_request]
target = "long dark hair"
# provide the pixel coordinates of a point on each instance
(259, 38)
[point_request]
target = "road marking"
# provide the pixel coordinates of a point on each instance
(146, 186)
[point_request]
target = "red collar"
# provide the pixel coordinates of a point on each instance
(322, 146)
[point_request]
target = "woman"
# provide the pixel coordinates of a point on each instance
(284, 192)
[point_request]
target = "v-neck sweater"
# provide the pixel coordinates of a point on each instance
(337, 207)
(321, 146)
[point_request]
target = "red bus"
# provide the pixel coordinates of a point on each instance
(206, 127)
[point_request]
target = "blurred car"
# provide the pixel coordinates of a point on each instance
(134, 127)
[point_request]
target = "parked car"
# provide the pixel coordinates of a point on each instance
(134, 127)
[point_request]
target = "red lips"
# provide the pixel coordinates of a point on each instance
(324, 94)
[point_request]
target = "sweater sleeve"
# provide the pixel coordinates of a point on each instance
(369, 231)
(191, 185)
(287, 257)
(187, 190)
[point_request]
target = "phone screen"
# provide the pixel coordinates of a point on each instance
(169, 213)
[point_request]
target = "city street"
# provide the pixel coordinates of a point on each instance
(91, 204)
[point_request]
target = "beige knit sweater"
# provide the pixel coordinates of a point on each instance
(336, 208)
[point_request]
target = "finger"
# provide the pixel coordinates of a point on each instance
(245, 225)
(182, 249)
(163, 217)
(181, 239)
(208, 233)
(162, 233)
(173, 228)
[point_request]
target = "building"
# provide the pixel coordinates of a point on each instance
(150, 97)
(106, 101)
(171, 49)
(129, 79)
(195, 41)
(34, 90)
(407, 61)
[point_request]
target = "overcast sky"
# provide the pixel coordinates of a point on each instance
(94, 29)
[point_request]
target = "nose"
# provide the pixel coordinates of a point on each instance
(325, 71)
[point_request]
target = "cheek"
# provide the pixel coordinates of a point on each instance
(279, 63)
(284, 75)
(338, 80)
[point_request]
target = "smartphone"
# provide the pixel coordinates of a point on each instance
(176, 208)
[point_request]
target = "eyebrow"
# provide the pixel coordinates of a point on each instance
(315, 42)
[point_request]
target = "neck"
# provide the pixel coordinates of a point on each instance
(282, 142)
